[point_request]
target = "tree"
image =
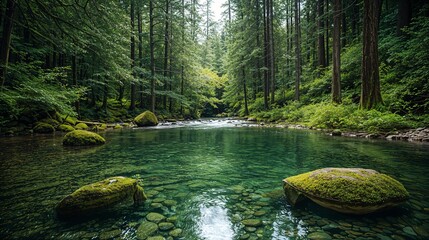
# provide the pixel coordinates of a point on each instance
(370, 90)
(6, 39)
(152, 56)
(404, 15)
(336, 50)
(298, 67)
(133, 57)
(321, 37)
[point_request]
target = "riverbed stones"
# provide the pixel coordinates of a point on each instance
(156, 238)
(169, 203)
(252, 222)
(346, 190)
(110, 234)
(165, 226)
(176, 233)
(155, 217)
(100, 195)
(82, 138)
(146, 229)
(146, 119)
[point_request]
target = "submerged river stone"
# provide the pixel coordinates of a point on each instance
(82, 138)
(145, 119)
(346, 190)
(99, 195)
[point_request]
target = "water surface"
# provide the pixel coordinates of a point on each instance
(216, 173)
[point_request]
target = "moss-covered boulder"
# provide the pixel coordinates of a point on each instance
(65, 128)
(70, 120)
(42, 127)
(100, 195)
(81, 126)
(100, 127)
(82, 138)
(54, 123)
(145, 119)
(346, 190)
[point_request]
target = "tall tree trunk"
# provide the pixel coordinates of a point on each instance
(74, 82)
(371, 93)
(6, 39)
(182, 72)
(266, 61)
(404, 15)
(336, 50)
(321, 38)
(133, 58)
(166, 44)
(140, 32)
(229, 11)
(258, 45)
(298, 66)
(271, 44)
(246, 109)
(344, 23)
(354, 19)
(105, 96)
(328, 56)
(152, 57)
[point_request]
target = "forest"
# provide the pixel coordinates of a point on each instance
(350, 64)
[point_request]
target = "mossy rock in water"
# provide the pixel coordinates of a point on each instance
(65, 128)
(70, 120)
(42, 127)
(50, 121)
(145, 119)
(82, 138)
(101, 127)
(347, 190)
(100, 195)
(81, 126)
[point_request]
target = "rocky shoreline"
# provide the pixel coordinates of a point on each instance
(417, 135)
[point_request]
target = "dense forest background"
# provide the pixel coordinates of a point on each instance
(353, 64)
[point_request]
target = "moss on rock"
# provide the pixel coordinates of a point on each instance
(42, 127)
(82, 138)
(99, 195)
(65, 128)
(81, 126)
(145, 119)
(347, 189)
(50, 121)
(70, 120)
(101, 127)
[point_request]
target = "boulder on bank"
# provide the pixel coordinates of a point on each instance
(346, 190)
(65, 128)
(100, 195)
(146, 119)
(42, 127)
(81, 126)
(82, 138)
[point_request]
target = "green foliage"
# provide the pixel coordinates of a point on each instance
(333, 116)
(36, 92)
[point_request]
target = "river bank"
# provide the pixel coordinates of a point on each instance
(411, 135)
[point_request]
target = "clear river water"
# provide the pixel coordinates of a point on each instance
(205, 178)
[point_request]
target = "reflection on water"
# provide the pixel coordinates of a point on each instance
(205, 178)
(214, 223)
